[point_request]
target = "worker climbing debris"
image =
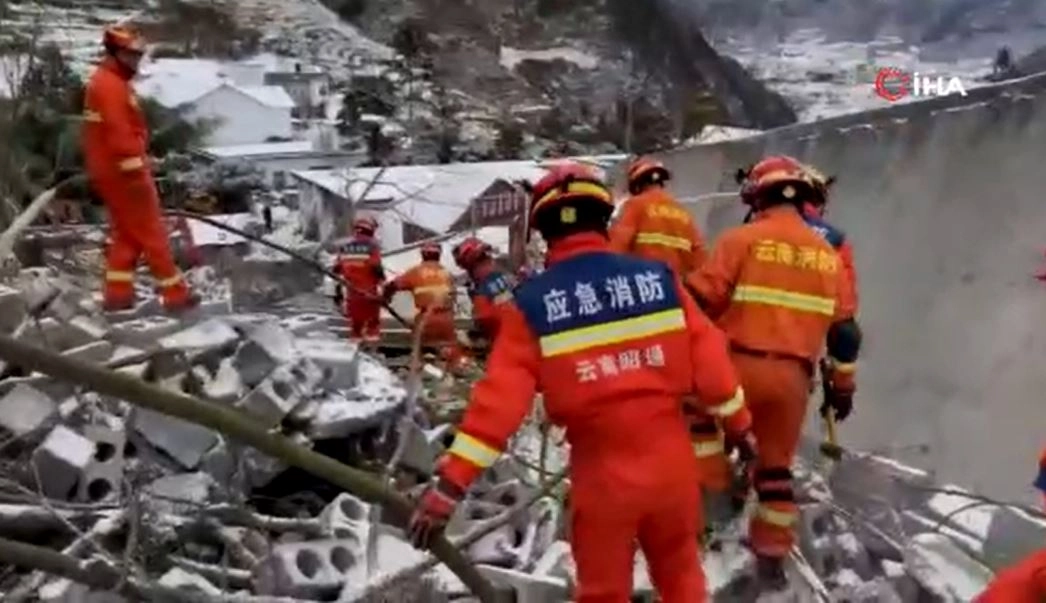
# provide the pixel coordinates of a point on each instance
(433, 288)
(653, 224)
(116, 147)
(359, 264)
(776, 288)
(1024, 582)
(489, 287)
(613, 343)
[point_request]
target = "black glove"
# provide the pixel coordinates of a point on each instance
(745, 444)
(838, 401)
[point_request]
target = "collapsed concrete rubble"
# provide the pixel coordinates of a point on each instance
(185, 509)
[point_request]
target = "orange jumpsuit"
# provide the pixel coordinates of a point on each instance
(614, 344)
(776, 289)
(115, 147)
(359, 263)
(1022, 583)
(432, 287)
(489, 290)
(653, 225)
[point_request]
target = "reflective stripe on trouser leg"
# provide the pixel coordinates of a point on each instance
(772, 530)
(707, 443)
(121, 255)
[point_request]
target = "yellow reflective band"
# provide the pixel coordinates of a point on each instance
(783, 519)
(93, 117)
(843, 367)
(657, 238)
(132, 163)
(730, 406)
(503, 297)
(355, 256)
(119, 276)
(474, 451)
(802, 302)
(710, 448)
(576, 188)
(612, 332)
(435, 289)
(170, 281)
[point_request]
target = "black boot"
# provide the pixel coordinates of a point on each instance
(771, 574)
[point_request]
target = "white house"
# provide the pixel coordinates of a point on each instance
(278, 159)
(412, 202)
(233, 95)
(308, 87)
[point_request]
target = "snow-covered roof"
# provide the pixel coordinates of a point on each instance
(270, 96)
(174, 82)
(433, 196)
(204, 234)
(292, 147)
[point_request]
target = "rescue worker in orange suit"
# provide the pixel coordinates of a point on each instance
(489, 288)
(116, 147)
(432, 287)
(653, 225)
(813, 213)
(1024, 582)
(777, 290)
(613, 343)
(359, 264)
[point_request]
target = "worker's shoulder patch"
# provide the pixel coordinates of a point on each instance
(833, 235)
(595, 288)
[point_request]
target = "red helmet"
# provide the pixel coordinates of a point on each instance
(431, 251)
(774, 171)
(470, 252)
(365, 225)
(644, 172)
(123, 37)
(565, 182)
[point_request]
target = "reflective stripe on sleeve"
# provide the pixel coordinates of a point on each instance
(609, 333)
(503, 297)
(119, 276)
(658, 238)
(842, 367)
(709, 448)
(131, 163)
(730, 406)
(433, 289)
(784, 519)
(170, 281)
(754, 294)
(474, 451)
(93, 117)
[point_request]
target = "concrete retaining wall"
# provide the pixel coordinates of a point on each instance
(945, 201)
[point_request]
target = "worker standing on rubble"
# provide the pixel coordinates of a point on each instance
(777, 290)
(1024, 582)
(653, 224)
(116, 147)
(359, 265)
(489, 288)
(613, 343)
(433, 288)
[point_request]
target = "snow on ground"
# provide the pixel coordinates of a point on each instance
(824, 79)
(510, 57)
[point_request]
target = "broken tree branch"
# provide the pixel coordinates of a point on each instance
(245, 429)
